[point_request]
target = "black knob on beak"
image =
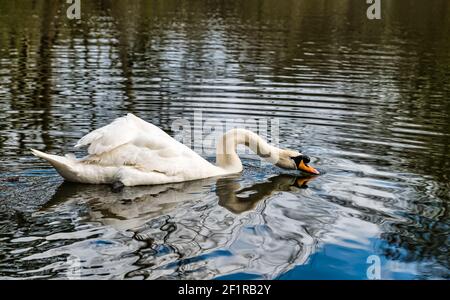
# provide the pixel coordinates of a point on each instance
(306, 159)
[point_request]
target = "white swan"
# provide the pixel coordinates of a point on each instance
(133, 152)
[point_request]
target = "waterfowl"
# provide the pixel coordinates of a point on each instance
(130, 152)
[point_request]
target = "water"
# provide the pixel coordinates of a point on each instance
(367, 100)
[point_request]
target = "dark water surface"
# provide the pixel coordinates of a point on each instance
(367, 100)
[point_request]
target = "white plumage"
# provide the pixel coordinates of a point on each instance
(136, 152)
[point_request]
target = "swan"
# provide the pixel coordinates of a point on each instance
(131, 152)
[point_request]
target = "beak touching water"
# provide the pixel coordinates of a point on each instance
(301, 162)
(308, 169)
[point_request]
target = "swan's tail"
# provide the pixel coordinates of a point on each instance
(64, 165)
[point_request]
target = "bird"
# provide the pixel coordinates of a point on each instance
(132, 152)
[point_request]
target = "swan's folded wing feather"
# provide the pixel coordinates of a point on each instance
(125, 130)
(131, 142)
(121, 131)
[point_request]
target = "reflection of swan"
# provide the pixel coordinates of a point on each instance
(132, 207)
(233, 198)
(133, 152)
(187, 235)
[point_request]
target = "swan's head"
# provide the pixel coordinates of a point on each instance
(295, 160)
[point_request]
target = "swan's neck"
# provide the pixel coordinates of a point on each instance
(226, 156)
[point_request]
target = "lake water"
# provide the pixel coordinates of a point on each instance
(368, 100)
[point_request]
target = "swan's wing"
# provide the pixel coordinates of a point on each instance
(124, 130)
(145, 148)
(170, 159)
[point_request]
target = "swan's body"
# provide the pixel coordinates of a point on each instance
(135, 152)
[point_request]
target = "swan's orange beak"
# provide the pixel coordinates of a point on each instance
(308, 169)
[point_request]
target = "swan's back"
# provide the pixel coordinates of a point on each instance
(144, 150)
(134, 152)
(124, 130)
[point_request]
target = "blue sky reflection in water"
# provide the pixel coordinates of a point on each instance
(367, 100)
